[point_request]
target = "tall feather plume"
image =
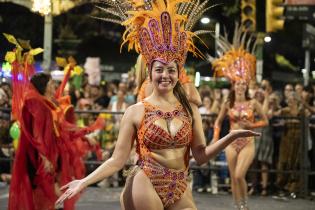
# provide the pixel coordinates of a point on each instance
(120, 10)
(191, 20)
(117, 8)
(189, 6)
(248, 43)
(234, 55)
(200, 32)
(182, 7)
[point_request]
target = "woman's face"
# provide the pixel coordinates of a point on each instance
(164, 76)
(206, 101)
(51, 88)
(292, 100)
(120, 95)
(288, 90)
(240, 87)
(259, 95)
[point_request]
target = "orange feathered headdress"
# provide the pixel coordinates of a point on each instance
(158, 29)
(236, 61)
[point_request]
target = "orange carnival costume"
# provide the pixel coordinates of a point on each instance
(237, 63)
(160, 30)
(169, 184)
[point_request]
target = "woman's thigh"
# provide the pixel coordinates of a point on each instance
(139, 194)
(231, 157)
(245, 159)
(185, 203)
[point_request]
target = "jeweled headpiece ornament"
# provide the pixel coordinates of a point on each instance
(158, 29)
(236, 60)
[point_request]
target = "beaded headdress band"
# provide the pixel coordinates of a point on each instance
(158, 29)
(236, 61)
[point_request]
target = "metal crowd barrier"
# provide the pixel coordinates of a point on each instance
(304, 169)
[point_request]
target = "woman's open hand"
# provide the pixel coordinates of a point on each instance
(72, 188)
(235, 134)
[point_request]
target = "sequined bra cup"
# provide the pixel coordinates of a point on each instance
(241, 111)
(156, 137)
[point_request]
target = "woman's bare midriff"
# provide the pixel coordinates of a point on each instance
(171, 158)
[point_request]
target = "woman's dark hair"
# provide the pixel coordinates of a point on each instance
(40, 81)
(179, 93)
(232, 97)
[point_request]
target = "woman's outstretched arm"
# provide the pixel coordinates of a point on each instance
(120, 156)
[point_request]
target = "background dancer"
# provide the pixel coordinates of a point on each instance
(239, 65)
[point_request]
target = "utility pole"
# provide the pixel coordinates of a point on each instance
(48, 33)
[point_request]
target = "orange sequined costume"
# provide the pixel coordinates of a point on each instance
(161, 30)
(169, 184)
(239, 112)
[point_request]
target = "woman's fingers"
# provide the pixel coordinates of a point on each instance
(255, 133)
(248, 133)
(61, 199)
(67, 195)
(245, 133)
(65, 186)
(71, 195)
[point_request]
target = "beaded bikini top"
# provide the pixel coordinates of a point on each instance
(152, 136)
(241, 111)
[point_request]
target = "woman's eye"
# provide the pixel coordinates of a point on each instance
(158, 70)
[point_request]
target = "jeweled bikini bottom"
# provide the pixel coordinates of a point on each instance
(170, 184)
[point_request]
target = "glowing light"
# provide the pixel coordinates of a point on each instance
(205, 20)
(267, 39)
(5, 70)
(197, 79)
(42, 6)
(6, 66)
(20, 77)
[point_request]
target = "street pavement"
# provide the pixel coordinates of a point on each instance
(95, 198)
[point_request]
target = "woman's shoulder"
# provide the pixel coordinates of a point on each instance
(135, 111)
(136, 108)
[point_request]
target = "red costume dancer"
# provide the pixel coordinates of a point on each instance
(43, 158)
(64, 102)
(238, 65)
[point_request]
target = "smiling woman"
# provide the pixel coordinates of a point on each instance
(145, 88)
(164, 76)
(166, 127)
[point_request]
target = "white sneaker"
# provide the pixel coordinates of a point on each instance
(200, 190)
